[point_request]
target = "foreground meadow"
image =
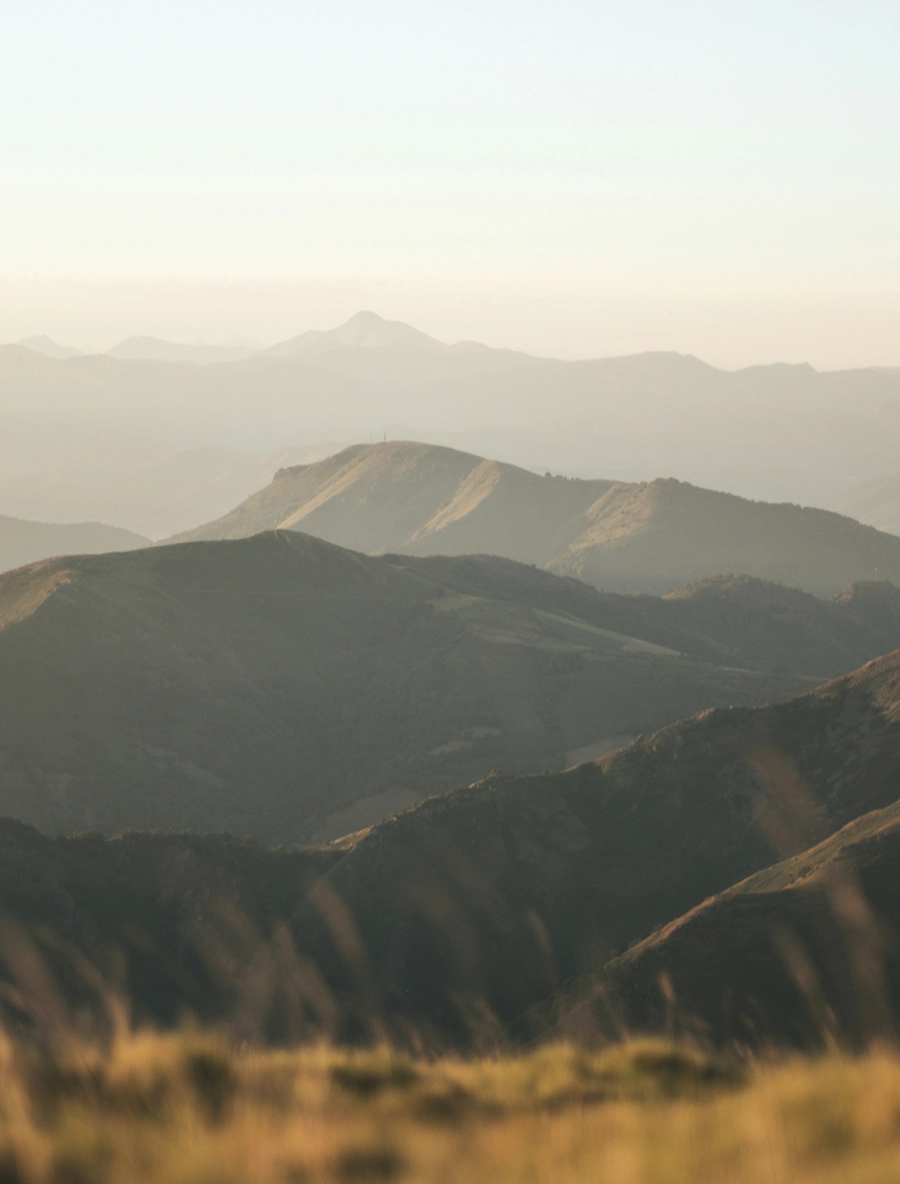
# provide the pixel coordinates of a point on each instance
(187, 1109)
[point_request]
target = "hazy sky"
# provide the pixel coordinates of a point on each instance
(573, 178)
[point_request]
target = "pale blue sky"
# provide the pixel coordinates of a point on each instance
(508, 171)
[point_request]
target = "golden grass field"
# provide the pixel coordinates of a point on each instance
(187, 1109)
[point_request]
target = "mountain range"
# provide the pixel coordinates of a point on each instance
(542, 755)
(650, 537)
(609, 894)
(772, 432)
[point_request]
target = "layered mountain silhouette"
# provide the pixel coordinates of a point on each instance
(365, 330)
(286, 688)
(421, 499)
(783, 433)
(479, 915)
(24, 542)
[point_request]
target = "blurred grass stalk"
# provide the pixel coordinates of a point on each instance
(187, 1108)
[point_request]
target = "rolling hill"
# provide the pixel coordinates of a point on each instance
(24, 542)
(420, 499)
(725, 620)
(286, 688)
(156, 916)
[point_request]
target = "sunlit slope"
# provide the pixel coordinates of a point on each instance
(420, 499)
(797, 954)
(668, 532)
(24, 542)
(286, 688)
(416, 499)
(501, 892)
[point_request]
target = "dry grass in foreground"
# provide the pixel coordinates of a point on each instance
(187, 1110)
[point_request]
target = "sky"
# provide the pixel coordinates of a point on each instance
(577, 179)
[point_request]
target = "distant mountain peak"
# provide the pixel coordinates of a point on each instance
(364, 330)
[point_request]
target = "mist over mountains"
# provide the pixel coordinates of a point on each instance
(531, 743)
(779, 433)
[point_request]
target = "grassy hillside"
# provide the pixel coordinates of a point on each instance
(420, 499)
(193, 1108)
(801, 953)
(282, 687)
(24, 542)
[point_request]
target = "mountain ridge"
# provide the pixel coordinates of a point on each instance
(630, 537)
